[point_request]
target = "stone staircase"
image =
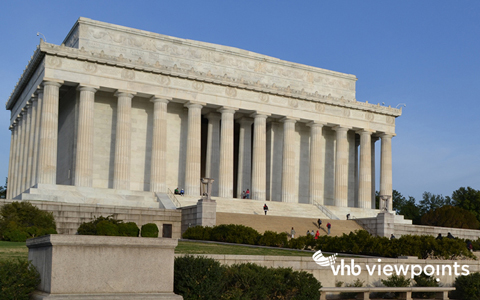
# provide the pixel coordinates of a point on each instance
(262, 223)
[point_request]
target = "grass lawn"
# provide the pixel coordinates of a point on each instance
(10, 250)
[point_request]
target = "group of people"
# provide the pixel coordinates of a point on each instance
(179, 192)
(246, 194)
(317, 234)
(449, 236)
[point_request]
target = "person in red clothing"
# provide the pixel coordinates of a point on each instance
(247, 194)
(329, 226)
(317, 235)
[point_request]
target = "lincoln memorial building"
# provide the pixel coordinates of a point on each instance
(120, 116)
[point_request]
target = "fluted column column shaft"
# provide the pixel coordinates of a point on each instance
(11, 160)
(341, 167)
(244, 156)
(386, 168)
(259, 160)
(373, 140)
(288, 161)
(23, 151)
(33, 143)
(213, 150)
(36, 148)
(365, 182)
(85, 134)
(193, 159)
(14, 184)
(158, 172)
(47, 167)
(28, 145)
(317, 163)
(225, 181)
(123, 141)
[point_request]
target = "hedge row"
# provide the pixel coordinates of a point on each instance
(204, 278)
(109, 226)
(358, 242)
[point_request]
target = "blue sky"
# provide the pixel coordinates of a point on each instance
(422, 53)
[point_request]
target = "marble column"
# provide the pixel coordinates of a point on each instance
(365, 182)
(123, 141)
(24, 145)
(374, 139)
(259, 160)
(11, 160)
(288, 161)
(244, 155)
(213, 150)
(193, 159)
(386, 168)
(47, 161)
(28, 145)
(225, 179)
(36, 148)
(14, 184)
(33, 142)
(317, 163)
(341, 167)
(158, 171)
(85, 134)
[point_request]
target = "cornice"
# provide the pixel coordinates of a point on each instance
(191, 74)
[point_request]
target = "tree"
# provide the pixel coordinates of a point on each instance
(408, 208)
(431, 202)
(3, 190)
(468, 199)
(451, 216)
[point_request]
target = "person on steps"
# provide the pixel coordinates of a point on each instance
(265, 208)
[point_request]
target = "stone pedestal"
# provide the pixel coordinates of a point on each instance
(100, 267)
(206, 213)
(385, 224)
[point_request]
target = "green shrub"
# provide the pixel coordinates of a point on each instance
(450, 216)
(128, 229)
(198, 233)
(205, 278)
(467, 287)
(424, 280)
(198, 278)
(396, 281)
(356, 283)
(149, 230)
(238, 234)
(273, 239)
(107, 228)
(22, 220)
(18, 279)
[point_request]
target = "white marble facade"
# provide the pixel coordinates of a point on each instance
(129, 110)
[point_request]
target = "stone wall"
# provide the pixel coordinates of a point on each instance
(70, 216)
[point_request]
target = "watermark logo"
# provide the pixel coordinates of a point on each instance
(322, 260)
(351, 268)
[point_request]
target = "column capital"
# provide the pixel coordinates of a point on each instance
(87, 88)
(124, 93)
(387, 135)
(160, 99)
(365, 131)
(54, 82)
(245, 121)
(259, 114)
(194, 104)
(341, 128)
(316, 124)
(227, 109)
(213, 116)
(289, 120)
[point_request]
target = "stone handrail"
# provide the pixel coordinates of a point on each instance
(405, 292)
(326, 211)
(172, 197)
